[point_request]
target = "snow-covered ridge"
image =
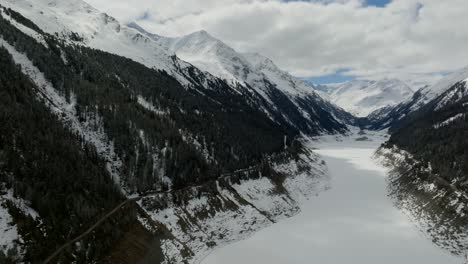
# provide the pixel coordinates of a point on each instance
(444, 84)
(214, 56)
(79, 23)
(430, 93)
(283, 98)
(362, 97)
(449, 90)
(258, 76)
(206, 53)
(456, 93)
(282, 79)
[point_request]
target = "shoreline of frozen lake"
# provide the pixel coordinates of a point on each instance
(353, 222)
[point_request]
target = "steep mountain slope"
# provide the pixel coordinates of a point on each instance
(284, 98)
(147, 112)
(436, 133)
(362, 97)
(79, 23)
(41, 178)
(85, 130)
(428, 155)
(390, 117)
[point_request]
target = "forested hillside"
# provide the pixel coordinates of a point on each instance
(62, 176)
(150, 118)
(82, 129)
(438, 134)
(428, 157)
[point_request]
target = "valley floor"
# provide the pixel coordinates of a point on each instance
(353, 222)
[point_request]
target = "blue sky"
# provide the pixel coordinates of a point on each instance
(337, 77)
(380, 3)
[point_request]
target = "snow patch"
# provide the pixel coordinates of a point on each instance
(449, 121)
(149, 106)
(26, 30)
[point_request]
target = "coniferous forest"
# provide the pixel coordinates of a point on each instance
(195, 136)
(112, 157)
(443, 144)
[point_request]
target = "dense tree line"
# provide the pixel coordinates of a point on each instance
(108, 86)
(62, 176)
(444, 146)
(195, 136)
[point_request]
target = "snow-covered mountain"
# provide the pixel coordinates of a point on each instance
(362, 97)
(428, 160)
(284, 99)
(447, 90)
(303, 107)
(111, 130)
(103, 116)
(79, 23)
(214, 56)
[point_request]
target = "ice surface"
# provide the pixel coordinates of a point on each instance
(354, 222)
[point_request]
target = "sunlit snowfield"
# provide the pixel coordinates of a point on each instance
(354, 222)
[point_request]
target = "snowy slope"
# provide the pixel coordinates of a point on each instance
(8, 229)
(283, 98)
(453, 95)
(439, 90)
(214, 56)
(282, 79)
(230, 211)
(208, 54)
(10, 237)
(361, 97)
(444, 84)
(295, 99)
(448, 90)
(80, 23)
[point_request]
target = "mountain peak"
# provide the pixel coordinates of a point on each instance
(361, 97)
(202, 33)
(260, 61)
(445, 83)
(140, 29)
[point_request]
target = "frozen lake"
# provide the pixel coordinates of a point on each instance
(354, 222)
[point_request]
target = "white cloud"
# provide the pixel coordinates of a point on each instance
(409, 39)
